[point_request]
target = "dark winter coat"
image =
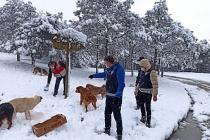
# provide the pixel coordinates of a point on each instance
(148, 82)
(115, 80)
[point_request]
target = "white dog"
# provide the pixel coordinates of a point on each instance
(25, 105)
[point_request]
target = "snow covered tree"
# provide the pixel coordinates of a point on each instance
(101, 22)
(12, 15)
(132, 45)
(169, 39)
(34, 36)
(201, 56)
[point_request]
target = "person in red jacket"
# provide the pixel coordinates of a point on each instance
(58, 69)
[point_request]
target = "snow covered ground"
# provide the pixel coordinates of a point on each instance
(17, 80)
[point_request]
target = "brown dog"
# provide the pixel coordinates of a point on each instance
(25, 105)
(6, 112)
(86, 97)
(97, 90)
(40, 70)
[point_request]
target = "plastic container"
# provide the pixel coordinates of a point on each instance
(46, 88)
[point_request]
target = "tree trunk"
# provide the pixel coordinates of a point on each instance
(97, 55)
(18, 56)
(155, 59)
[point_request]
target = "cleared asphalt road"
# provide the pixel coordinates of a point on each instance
(190, 129)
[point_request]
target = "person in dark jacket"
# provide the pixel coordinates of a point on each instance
(148, 89)
(115, 83)
(57, 68)
(136, 83)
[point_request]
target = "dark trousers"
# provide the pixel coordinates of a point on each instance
(113, 105)
(145, 102)
(57, 83)
(138, 100)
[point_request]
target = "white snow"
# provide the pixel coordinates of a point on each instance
(17, 80)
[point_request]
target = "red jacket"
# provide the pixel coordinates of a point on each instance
(58, 71)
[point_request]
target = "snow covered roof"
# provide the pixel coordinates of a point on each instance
(76, 36)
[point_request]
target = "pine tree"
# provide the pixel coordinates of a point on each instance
(12, 15)
(34, 36)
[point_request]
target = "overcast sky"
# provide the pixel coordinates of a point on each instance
(193, 14)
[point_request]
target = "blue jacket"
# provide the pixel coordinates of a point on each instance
(115, 80)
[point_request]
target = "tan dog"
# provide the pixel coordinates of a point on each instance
(40, 70)
(25, 105)
(86, 97)
(97, 90)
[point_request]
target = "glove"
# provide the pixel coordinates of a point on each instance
(118, 95)
(154, 98)
(136, 92)
(90, 76)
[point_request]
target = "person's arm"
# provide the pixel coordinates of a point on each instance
(137, 78)
(49, 77)
(98, 75)
(121, 82)
(137, 83)
(62, 64)
(154, 81)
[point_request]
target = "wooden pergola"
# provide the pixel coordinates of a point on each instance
(63, 43)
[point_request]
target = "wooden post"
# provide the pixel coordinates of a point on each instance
(67, 75)
(58, 43)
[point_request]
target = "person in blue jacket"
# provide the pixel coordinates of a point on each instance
(115, 83)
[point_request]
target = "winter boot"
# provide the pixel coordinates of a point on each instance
(107, 132)
(54, 94)
(119, 137)
(148, 125)
(143, 119)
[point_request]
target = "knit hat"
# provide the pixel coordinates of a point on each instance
(145, 63)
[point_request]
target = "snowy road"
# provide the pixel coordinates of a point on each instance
(204, 125)
(201, 84)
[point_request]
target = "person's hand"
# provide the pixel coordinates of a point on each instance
(136, 92)
(118, 95)
(154, 98)
(117, 101)
(90, 76)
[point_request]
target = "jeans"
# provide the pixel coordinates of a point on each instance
(145, 102)
(113, 105)
(57, 83)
